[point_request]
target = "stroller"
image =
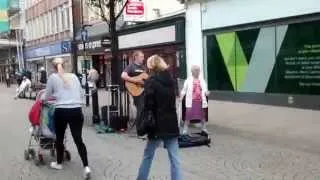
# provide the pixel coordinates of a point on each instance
(42, 131)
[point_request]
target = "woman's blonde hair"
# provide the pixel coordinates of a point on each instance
(156, 63)
(58, 65)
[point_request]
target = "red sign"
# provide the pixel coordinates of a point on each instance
(135, 7)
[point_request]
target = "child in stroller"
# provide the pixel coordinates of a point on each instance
(42, 131)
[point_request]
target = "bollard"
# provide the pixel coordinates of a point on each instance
(95, 107)
(87, 94)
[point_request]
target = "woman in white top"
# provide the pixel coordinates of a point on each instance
(195, 90)
(66, 89)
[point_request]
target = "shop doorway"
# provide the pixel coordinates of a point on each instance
(98, 63)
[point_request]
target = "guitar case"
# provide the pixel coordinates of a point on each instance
(116, 123)
(193, 140)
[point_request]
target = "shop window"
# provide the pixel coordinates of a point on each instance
(228, 58)
(297, 67)
(221, 63)
(275, 59)
(252, 53)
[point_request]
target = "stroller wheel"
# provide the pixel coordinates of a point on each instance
(67, 155)
(39, 160)
(26, 155)
(32, 153)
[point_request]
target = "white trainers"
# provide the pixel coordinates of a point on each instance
(55, 165)
(205, 130)
(87, 172)
(184, 132)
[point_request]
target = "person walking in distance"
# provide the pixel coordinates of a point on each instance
(8, 78)
(66, 89)
(135, 69)
(43, 75)
(160, 99)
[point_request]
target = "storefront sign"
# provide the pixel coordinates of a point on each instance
(92, 45)
(50, 50)
(66, 46)
(150, 37)
(105, 42)
(135, 11)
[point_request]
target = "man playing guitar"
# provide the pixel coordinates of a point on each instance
(133, 70)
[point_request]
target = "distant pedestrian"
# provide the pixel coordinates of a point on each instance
(195, 92)
(43, 76)
(23, 88)
(93, 77)
(66, 89)
(8, 78)
(160, 99)
(18, 77)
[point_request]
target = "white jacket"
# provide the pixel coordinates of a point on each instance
(187, 91)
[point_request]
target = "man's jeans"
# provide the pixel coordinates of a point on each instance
(172, 147)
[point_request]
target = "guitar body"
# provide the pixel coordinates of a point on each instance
(136, 89)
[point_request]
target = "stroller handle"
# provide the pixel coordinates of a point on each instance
(41, 97)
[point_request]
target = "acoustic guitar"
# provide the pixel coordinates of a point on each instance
(136, 89)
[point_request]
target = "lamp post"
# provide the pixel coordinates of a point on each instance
(84, 37)
(73, 42)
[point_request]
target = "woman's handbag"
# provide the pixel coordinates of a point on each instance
(146, 122)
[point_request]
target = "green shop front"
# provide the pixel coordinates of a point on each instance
(273, 62)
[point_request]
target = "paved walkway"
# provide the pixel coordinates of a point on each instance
(297, 127)
(234, 155)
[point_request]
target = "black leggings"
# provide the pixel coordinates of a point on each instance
(73, 117)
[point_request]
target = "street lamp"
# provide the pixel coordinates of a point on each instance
(84, 37)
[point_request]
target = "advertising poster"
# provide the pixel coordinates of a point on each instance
(4, 24)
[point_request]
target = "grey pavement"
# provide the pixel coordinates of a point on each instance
(298, 128)
(233, 155)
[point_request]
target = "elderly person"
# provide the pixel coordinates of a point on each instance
(24, 87)
(195, 91)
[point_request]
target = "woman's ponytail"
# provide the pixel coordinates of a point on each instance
(58, 64)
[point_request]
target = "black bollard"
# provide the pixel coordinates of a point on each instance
(95, 107)
(87, 93)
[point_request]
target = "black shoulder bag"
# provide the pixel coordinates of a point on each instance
(146, 121)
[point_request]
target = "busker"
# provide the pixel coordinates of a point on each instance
(135, 69)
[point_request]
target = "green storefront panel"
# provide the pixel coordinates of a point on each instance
(278, 59)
